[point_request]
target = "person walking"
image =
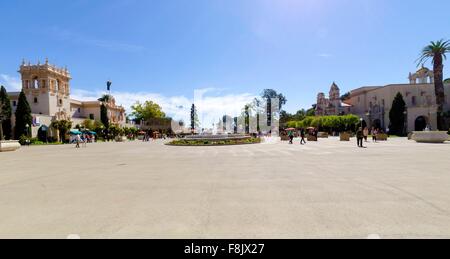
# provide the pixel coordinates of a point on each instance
(291, 137)
(374, 135)
(77, 140)
(366, 133)
(302, 135)
(360, 137)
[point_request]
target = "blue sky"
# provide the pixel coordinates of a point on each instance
(164, 49)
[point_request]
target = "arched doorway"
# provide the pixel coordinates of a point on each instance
(420, 123)
(43, 133)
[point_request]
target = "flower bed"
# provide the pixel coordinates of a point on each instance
(211, 142)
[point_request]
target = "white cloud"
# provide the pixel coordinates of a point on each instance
(211, 103)
(210, 106)
(12, 84)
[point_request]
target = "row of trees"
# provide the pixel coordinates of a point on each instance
(5, 114)
(24, 120)
(328, 123)
(22, 115)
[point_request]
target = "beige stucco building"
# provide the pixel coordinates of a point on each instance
(47, 89)
(373, 103)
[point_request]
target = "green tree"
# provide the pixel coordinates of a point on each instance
(106, 98)
(23, 116)
(99, 128)
(63, 127)
(311, 111)
(327, 123)
(104, 115)
(345, 96)
(194, 118)
(5, 114)
(148, 110)
(116, 131)
(286, 117)
(267, 96)
(437, 52)
(397, 115)
(88, 124)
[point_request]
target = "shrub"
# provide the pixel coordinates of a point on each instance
(327, 123)
(24, 140)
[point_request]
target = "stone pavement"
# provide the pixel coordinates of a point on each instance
(396, 189)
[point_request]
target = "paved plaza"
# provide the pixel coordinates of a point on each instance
(329, 189)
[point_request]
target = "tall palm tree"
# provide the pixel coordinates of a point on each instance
(437, 52)
(105, 98)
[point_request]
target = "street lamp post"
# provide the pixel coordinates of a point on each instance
(28, 129)
(369, 114)
(405, 126)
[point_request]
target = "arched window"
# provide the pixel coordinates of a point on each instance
(35, 100)
(35, 83)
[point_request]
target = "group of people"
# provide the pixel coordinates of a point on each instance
(83, 139)
(302, 134)
(153, 135)
(362, 135)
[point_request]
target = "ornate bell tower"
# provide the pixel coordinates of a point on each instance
(46, 87)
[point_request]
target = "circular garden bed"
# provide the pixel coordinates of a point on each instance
(214, 142)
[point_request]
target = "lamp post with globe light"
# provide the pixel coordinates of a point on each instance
(405, 126)
(28, 129)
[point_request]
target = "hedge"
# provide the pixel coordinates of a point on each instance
(328, 123)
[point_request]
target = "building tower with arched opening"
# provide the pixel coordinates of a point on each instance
(47, 88)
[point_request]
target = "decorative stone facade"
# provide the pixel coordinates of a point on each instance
(47, 89)
(332, 105)
(374, 103)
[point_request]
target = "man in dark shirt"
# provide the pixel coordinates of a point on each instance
(360, 137)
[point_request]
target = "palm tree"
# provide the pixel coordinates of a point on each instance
(105, 98)
(62, 127)
(437, 52)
